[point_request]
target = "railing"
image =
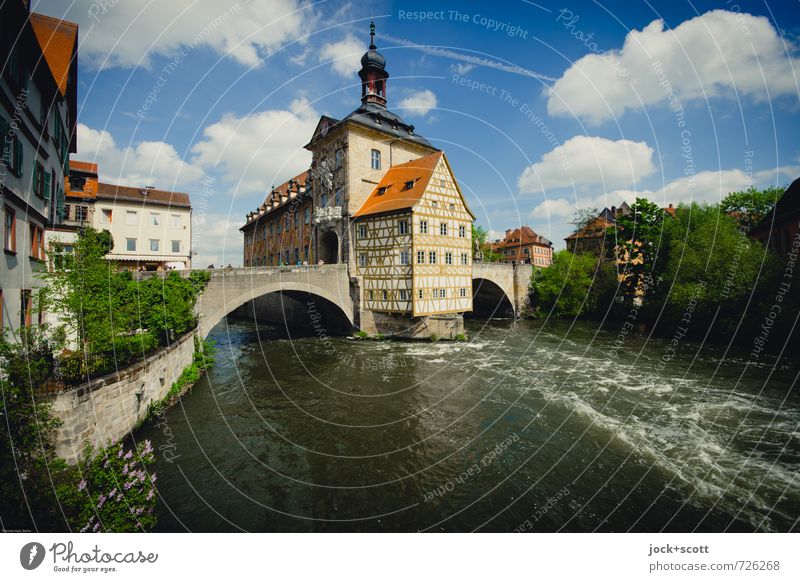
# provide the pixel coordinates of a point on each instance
(245, 271)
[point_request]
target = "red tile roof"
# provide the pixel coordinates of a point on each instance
(143, 195)
(276, 194)
(58, 40)
(391, 192)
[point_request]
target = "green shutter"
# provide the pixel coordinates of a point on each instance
(46, 192)
(18, 156)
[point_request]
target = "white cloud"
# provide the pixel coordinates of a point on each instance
(129, 34)
(709, 186)
(461, 68)
(585, 160)
(217, 240)
(419, 103)
(717, 54)
(148, 163)
(344, 56)
(259, 150)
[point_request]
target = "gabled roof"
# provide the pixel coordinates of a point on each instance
(143, 195)
(58, 40)
(392, 192)
(276, 194)
(522, 236)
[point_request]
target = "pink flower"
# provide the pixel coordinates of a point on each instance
(96, 526)
(82, 485)
(125, 469)
(129, 454)
(150, 494)
(112, 492)
(119, 454)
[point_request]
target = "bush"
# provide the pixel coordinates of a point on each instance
(574, 285)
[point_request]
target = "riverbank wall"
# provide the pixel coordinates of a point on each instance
(108, 408)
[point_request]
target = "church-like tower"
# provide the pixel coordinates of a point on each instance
(373, 73)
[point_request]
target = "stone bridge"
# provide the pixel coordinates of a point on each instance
(495, 286)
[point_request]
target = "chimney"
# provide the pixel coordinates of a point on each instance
(614, 210)
(508, 232)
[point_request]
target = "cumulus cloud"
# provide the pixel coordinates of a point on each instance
(258, 150)
(717, 54)
(129, 34)
(148, 163)
(709, 186)
(217, 239)
(584, 160)
(344, 56)
(419, 103)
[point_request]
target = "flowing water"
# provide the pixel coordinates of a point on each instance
(525, 426)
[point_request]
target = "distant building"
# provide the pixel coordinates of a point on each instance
(38, 114)
(151, 229)
(279, 231)
(779, 228)
(523, 245)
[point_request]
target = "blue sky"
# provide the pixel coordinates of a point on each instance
(542, 108)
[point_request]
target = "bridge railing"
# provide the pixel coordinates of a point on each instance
(247, 271)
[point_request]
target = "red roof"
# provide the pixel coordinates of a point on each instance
(86, 167)
(143, 195)
(401, 187)
(57, 39)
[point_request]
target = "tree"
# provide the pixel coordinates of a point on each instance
(573, 285)
(481, 247)
(637, 239)
(582, 217)
(749, 207)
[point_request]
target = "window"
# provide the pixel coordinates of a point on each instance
(420, 294)
(81, 213)
(443, 229)
(370, 294)
(452, 206)
(154, 244)
(77, 183)
(175, 220)
(37, 242)
(26, 307)
(130, 218)
(462, 231)
(420, 257)
(62, 256)
(423, 227)
(307, 218)
(382, 190)
(405, 258)
(11, 147)
(272, 230)
(442, 293)
(67, 211)
(338, 159)
(130, 244)
(448, 258)
(432, 257)
(106, 215)
(296, 219)
(408, 185)
(155, 219)
(323, 200)
(403, 295)
(464, 258)
(434, 203)
(526, 251)
(403, 226)
(362, 231)
(337, 201)
(297, 254)
(10, 230)
(384, 295)
(362, 260)
(375, 160)
(38, 179)
(176, 246)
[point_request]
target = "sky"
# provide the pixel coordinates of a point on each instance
(542, 108)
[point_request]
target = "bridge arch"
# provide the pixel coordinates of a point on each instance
(490, 300)
(226, 292)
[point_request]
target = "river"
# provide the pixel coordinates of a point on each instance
(526, 426)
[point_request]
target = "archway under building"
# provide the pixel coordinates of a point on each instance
(328, 247)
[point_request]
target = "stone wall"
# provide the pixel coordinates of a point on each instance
(110, 407)
(398, 325)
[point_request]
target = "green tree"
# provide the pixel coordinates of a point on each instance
(582, 217)
(481, 247)
(574, 285)
(637, 240)
(749, 207)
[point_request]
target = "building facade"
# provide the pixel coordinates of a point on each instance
(151, 228)
(781, 226)
(523, 245)
(38, 109)
(383, 201)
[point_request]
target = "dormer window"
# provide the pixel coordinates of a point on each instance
(77, 183)
(382, 190)
(409, 185)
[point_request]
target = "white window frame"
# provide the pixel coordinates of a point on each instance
(131, 218)
(157, 245)
(128, 242)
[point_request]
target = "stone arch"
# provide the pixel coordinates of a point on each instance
(216, 302)
(490, 300)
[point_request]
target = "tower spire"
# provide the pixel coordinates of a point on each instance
(373, 73)
(372, 46)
